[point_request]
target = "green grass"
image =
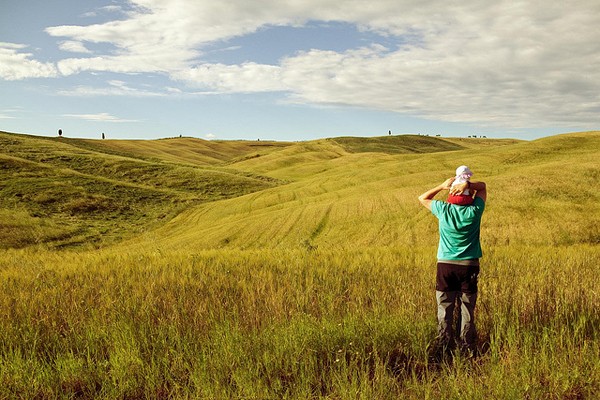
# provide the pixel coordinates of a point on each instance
(296, 324)
(99, 198)
(536, 197)
(396, 144)
(183, 150)
(315, 280)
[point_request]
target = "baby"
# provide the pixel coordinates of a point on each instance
(463, 174)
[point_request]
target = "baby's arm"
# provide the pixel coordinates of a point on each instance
(478, 187)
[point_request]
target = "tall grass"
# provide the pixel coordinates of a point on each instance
(321, 287)
(291, 324)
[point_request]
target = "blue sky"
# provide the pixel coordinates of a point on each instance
(289, 70)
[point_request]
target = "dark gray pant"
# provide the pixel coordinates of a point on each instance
(446, 302)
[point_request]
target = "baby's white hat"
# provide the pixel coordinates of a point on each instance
(463, 170)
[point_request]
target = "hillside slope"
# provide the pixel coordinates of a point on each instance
(61, 194)
(183, 150)
(343, 192)
(540, 192)
(396, 144)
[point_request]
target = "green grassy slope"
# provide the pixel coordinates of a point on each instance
(183, 150)
(396, 144)
(304, 159)
(179, 310)
(56, 192)
(540, 192)
(342, 192)
(63, 191)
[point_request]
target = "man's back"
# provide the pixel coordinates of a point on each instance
(459, 228)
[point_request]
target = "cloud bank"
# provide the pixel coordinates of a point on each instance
(503, 63)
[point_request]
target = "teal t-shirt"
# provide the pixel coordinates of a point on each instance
(459, 229)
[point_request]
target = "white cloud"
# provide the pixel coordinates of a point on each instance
(173, 90)
(121, 64)
(511, 62)
(101, 117)
(210, 136)
(526, 67)
(114, 88)
(15, 65)
(103, 10)
(121, 88)
(248, 77)
(74, 47)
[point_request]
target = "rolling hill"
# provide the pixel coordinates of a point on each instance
(340, 192)
(540, 192)
(160, 269)
(64, 192)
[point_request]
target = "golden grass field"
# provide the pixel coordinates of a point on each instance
(181, 268)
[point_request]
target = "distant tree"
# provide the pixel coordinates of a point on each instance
(60, 132)
(390, 132)
(103, 136)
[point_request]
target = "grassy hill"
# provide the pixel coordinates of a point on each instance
(63, 192)
(183, 150)
(334, 192)
(396, 144)
(540, 192)
(185, 269)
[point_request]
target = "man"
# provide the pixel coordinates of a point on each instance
(458, 256)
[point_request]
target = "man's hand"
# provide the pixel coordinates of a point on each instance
(447, 183)
(459, 188)
(426, 197)
(479, 188)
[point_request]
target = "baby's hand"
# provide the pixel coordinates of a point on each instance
(459, 188)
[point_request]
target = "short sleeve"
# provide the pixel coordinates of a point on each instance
(435, 207)
(479, 205)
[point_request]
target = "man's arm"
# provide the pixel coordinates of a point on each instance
(478, 187)
(426, 197)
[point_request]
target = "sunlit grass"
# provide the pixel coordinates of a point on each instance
(293, 323)
(96, 199)
(320, 287)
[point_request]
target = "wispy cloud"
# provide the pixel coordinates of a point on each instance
(508, 62)
(103, 10)
(101, 117)
(11, 113)
(113, 88)
(74, 47)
